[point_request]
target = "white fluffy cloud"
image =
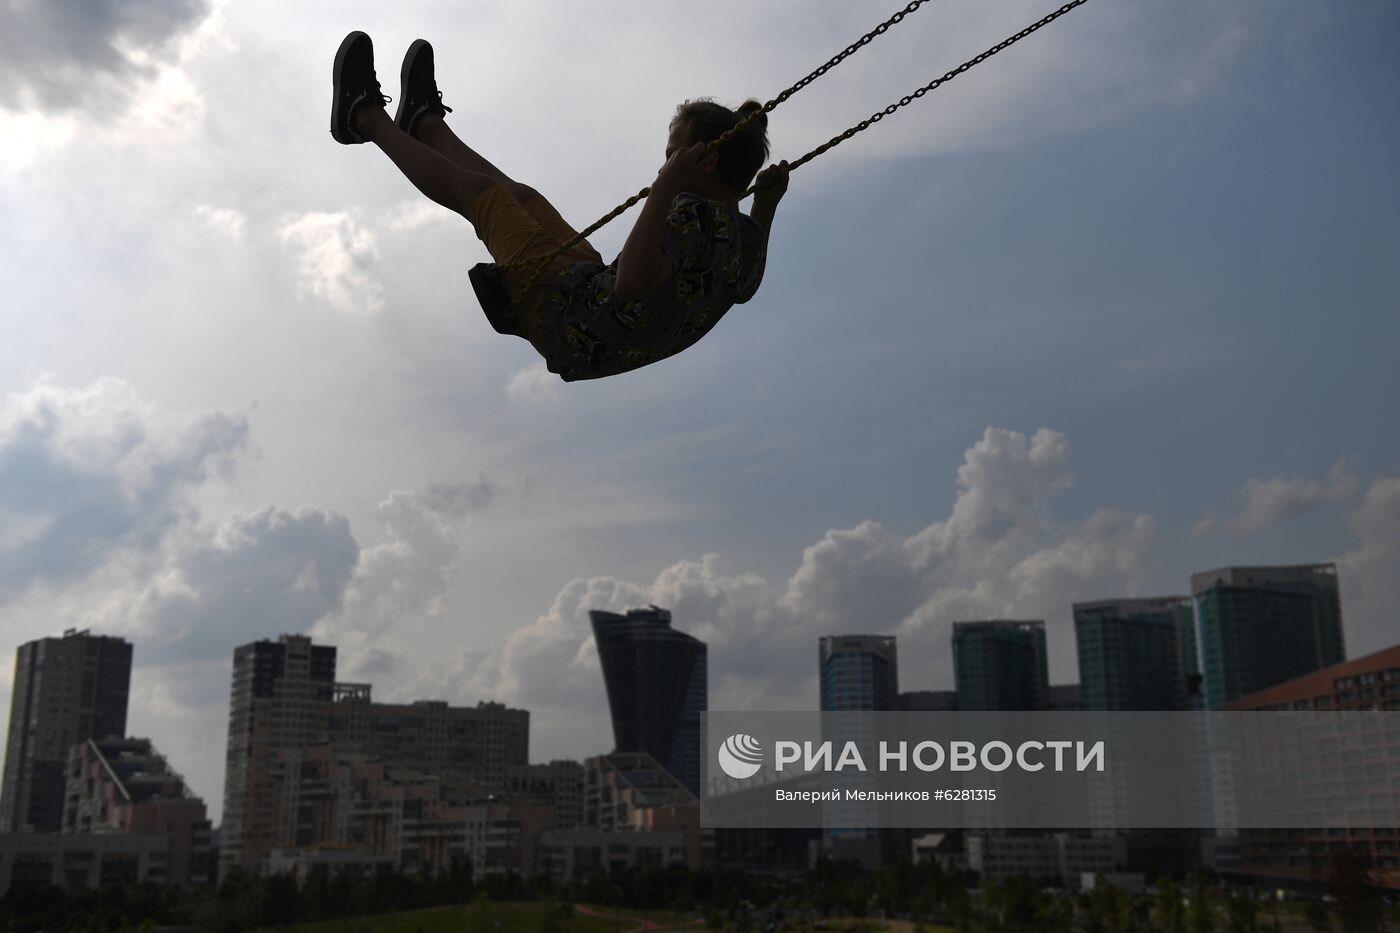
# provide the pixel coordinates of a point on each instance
(1272, 501)
(401, 582)
(336, 259)
(998, 554)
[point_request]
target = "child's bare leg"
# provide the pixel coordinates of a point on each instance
(448, 183)
(433, 130)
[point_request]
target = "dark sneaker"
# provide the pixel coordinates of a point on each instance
(355, 84)
(418, 90)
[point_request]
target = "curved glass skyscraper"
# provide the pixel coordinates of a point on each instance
(657, 681)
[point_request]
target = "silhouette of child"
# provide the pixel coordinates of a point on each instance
(690, 256)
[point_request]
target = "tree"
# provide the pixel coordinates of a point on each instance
(1243, 913)
(1171, 914)
(1202, 907)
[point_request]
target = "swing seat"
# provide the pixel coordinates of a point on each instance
(489, 283)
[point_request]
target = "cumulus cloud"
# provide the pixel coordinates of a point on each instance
(336, 259)
(1272, 501)
(65, 56)
(271, 568)
(999, 553)
(403, 581)
(90, 474)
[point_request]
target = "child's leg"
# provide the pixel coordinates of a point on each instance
(433, 130)
(453, 186)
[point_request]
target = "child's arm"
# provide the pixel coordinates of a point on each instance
(643, 266)
(770, 186)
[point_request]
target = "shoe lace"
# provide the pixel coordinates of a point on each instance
(439, 101)
(378, 92)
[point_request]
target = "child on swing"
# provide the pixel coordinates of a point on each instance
(690, 256)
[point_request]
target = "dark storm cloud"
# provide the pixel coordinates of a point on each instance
(58, 55)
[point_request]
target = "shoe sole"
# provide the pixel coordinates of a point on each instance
(340, 122)
(402, 118)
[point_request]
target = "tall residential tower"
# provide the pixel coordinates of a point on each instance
(280, 701)
(67, 690)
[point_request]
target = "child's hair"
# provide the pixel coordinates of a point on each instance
(744, 154)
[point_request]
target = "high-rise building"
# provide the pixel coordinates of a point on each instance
(1001, 665)
(279, 701)
(658, 686)
(1137, 654)
(67, 690)
(286, 700)
(859, 673)
(1261, 626)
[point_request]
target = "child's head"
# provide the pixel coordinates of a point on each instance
(743, 155)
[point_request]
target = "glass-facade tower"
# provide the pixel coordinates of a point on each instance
(1261, 626)
(1001, 665)
(1137, 654)
(859, 673)
(657, 681)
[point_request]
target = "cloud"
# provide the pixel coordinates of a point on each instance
(1368, 572)
(59, 57)
(1270, 502)
(458, 499)
(398, 584)
(226, 220)
(533, 384)
(415, 215)
(336, 260)
(91, 474)
(998, 554)
(278, 568)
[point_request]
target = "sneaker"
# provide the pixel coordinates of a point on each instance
(355, 84)
(418, 90)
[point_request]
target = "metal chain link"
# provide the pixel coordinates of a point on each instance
(542, 262)
(908, 99)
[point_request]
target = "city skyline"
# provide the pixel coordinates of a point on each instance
(289, 685)
(1112, 309)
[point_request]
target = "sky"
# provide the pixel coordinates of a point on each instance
(1116, 306)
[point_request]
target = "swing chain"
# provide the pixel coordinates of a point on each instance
(542, 262)
(909, 98)
(848, 51)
